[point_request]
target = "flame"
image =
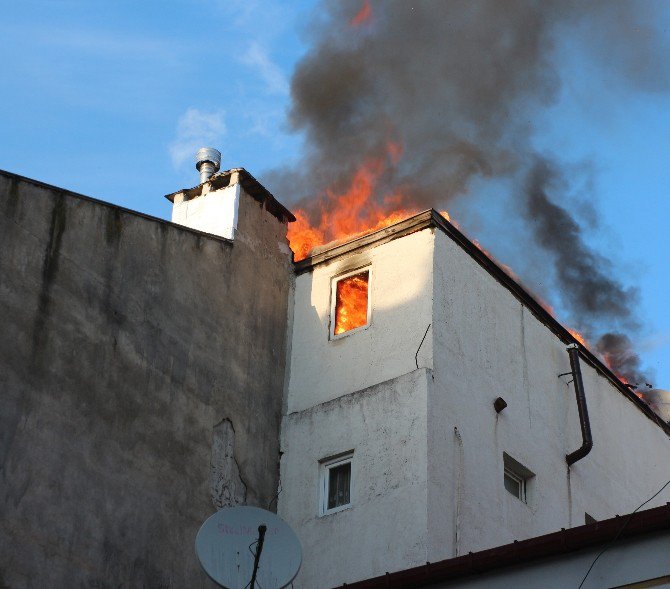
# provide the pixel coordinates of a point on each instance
(351, 213)
(351, 302)
(611, 363)
(578, 336)
(363, 15)
(356, 212)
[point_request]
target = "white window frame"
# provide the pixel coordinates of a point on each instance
(325, 467)
(333, 302)
(522, 496)
(518, 472)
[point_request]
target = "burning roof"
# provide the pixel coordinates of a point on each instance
(410, 103)
(543, 312)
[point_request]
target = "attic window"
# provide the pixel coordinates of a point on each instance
(350, 307)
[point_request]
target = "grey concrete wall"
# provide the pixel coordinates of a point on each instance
(141, 375)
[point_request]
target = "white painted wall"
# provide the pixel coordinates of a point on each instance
(488, 345)
(385, 427)
(401, 294)
(430, 456)
(213, 212)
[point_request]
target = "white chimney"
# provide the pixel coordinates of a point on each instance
(212, 206)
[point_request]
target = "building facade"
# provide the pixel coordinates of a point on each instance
(435, 470)
(408, 399)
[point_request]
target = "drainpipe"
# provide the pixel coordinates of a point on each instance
(587, 439)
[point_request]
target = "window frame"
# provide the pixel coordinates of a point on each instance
(522, 475)
(325, 466)
(522, 495)
(333, 302)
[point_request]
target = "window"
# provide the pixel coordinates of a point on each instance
(335, 483)
(517, 479)
(350, 303)
(515, 485)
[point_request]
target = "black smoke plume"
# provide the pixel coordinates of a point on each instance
(461, 84)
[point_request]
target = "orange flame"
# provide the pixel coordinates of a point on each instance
(351, 302)
(350, 214)
(363, 15)
(578, 336)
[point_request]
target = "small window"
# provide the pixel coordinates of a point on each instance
(350, 303)
(515, 485)
(516, 478)
(336, 484)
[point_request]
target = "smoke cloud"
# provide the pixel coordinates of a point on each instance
(460, 85)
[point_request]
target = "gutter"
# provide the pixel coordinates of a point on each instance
(587, 438)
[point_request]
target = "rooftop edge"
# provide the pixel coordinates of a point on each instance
(525, 551)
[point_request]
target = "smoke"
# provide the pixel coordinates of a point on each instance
(617, 350)
(589, 288)
(587, 276)
(461, 86)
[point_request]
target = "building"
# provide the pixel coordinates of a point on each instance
(436, 470)
(413, 398)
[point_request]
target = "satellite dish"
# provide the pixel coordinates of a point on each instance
(248, 547)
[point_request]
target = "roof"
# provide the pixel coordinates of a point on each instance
(433, 219)
(525, 551)
(251, 186)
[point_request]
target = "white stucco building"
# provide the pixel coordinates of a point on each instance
(436, 420)
(434, 470)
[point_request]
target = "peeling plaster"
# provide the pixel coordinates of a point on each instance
(226, 485)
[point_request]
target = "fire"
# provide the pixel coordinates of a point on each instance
(356, 212)
(578, 336)
(363, 15)
(350, 214)
(351, 302)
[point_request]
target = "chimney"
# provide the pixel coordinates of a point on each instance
(207, 162)
(213, 205)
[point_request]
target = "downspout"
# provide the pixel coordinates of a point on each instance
(587, 439)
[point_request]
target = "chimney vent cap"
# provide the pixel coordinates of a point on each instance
(207, 162)
(208, 154)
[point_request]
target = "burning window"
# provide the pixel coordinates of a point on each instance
(351, 308)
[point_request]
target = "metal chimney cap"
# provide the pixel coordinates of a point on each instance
(208, 154)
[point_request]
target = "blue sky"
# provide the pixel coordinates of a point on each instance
(112, 99)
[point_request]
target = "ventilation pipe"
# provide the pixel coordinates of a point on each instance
(207, 162)
(587, 439)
